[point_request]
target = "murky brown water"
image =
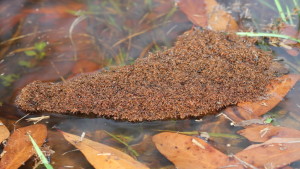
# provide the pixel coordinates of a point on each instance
(107, 33)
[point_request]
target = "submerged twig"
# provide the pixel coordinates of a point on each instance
(76, 22)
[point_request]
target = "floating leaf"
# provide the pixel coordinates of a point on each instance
(252, 110)
(274, 153)
(4, 133)
(102, 156)
(262, 133)
(208, 13)
(188, 152)
(19, 148)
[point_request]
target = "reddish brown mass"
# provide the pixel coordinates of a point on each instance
(205, 71)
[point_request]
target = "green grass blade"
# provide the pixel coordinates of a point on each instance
(296, 4)
(267, 4)
(289, 15)
(40, 153)
(121, 141)
(252, 34)
(279, 8)
(222, 135)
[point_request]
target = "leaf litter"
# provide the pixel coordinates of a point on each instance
(19, 147)
(102, 156)
(4, 132)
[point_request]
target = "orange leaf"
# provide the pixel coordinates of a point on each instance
(103, 156)
(262, 133)
(188, 152)
(195, 11)
(274, 153)
(61, 10)
(19, 148)
(208, 13)
(276, 92)
(4, 133)
(83, 66)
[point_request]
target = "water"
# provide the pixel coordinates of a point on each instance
(84, 36)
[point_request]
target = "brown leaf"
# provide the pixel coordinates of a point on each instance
(103, 156)
(208, 13)
(275, 153)
(4, 133)
(57, 10)
(188, 152)
(19, 148)
(83, 66)
(289, 31)
(262, 133)
(195, 11)
(252, 110)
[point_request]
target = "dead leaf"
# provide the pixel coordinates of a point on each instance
(4, 133)
(290, 46)
(188, 152)
(57, 10)
(262, 133)
(83, 66)
(252, 110)
(274, 153)
(103, 156)
(290, 31)
(19, 148)
(195, 11)
(208, 13)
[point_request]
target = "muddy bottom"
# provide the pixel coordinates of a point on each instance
(203, 72)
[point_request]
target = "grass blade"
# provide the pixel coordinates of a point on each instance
(266, 4)
(289, 15)
(252, 34)
(121, 141)
(279, 8)
(40, 153)
(296, 5)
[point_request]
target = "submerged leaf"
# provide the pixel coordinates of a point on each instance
(19, 148)
(4, 133)
(188, 152)
(40, 46)
(30, 53)
(261, 133)
(252, 110)
(102, 156)
(274, 153)
(208, 13)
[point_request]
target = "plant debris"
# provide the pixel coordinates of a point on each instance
(205, 71)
